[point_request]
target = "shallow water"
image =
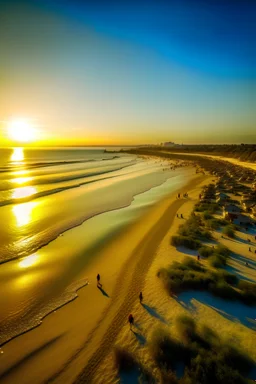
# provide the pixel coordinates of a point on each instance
(34, 279)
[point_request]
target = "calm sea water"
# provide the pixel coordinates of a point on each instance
(58, 207)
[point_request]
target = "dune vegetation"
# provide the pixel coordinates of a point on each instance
(196, 355)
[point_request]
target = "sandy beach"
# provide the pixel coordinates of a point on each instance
(74, 340)
(76, 343)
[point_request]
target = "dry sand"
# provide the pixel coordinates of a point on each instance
(245, 164)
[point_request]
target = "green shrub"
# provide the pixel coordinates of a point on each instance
(209, 369)
(248, 292)
(213, 224)
(221, 249)
(186, 327)
(207, 215)
(229, 231)
(235, 359)
(124, 360)
(206, 251)
(166, 351)
(191, 275)
(228, 277)
(168, 377)
(185, 241)
(217, 261)
(207, 359)
(193, 228)
(209, 207)
(219, 256)
(223, 290)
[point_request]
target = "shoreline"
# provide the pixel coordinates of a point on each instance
(65, 315)
(71, 239)
(78, 223)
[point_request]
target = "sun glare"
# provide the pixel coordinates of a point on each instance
(17, 155)
(28, 261)
(21, 130)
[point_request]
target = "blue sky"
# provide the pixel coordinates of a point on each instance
(119, 71)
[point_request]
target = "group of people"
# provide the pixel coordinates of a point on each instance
(184, 195)
(130, 318)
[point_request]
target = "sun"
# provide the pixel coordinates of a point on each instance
(21, 130)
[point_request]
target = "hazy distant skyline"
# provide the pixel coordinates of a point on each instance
(122, 72)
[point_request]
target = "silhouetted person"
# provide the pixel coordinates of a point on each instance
(198, 257)
(250, 249)
(131, 320)
(98, 281)
(141, 297)
(178, 195)
(181, 216)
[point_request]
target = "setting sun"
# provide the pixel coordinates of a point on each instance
(21, 130)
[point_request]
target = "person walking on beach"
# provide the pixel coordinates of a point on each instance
(141, 297)
(131, 320)
(181, 216)
(98, 281)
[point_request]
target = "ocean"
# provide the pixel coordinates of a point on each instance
(58, 208)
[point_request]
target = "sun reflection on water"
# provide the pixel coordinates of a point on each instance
(24, 213)
(20, 193)
(28, 261)
(17, 155)
(21, 180)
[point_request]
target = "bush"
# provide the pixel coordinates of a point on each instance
(193, 228)
(192, 275)
(223, 290)
(213, 224)
(221, 249)
(219, 256)
(216, 261)
(235, 358)
(185, 241)
(209, 207)
(206, 251)
(209, 369)
(248, 292)
(207, 215)
(186, 327)
(228, 277)
(207, 359)
(168, 377)
(124, 360)
(229, 231)
(166, 351)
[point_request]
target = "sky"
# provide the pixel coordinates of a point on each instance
(129, 72)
